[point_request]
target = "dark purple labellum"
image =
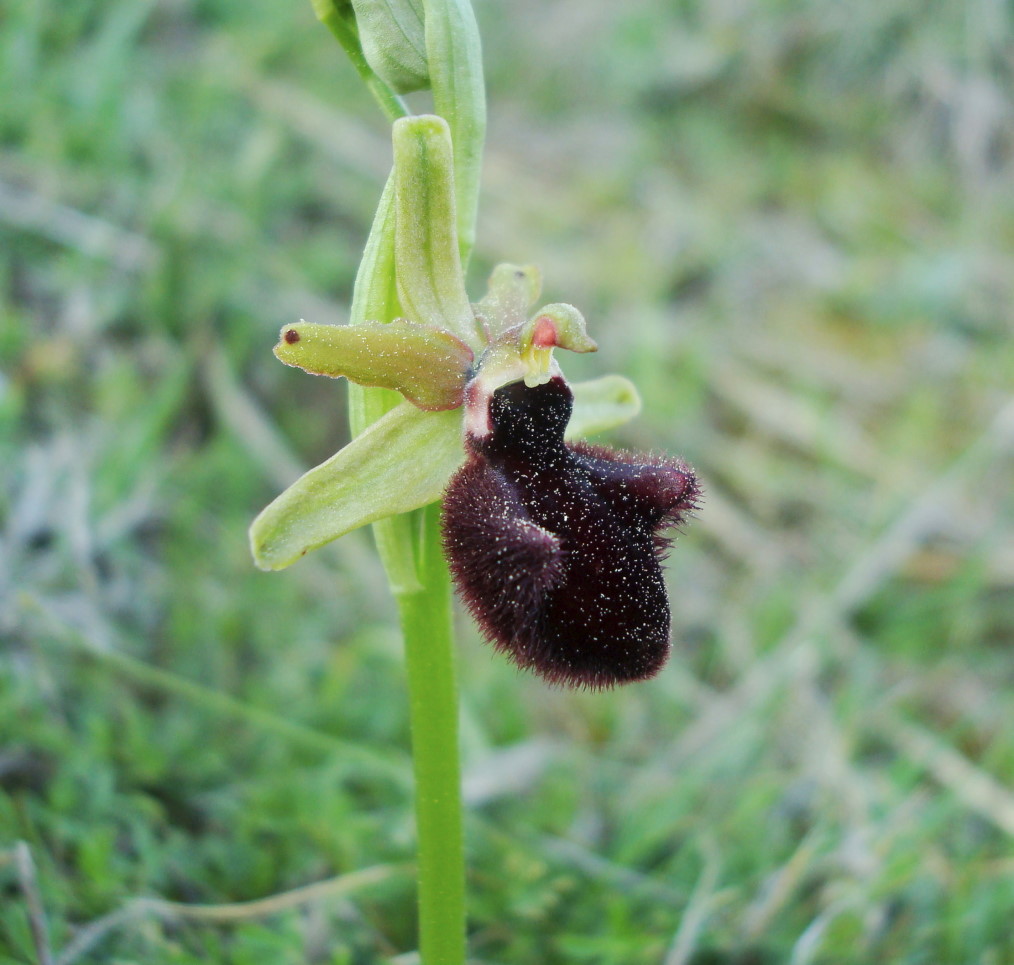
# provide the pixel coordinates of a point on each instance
(556, 548)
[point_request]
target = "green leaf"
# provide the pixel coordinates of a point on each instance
(431, 286)
(401, 462)
(602, 404)
(454, 54)
(425, 364)
(394, 41)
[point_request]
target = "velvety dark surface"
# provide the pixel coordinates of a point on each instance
(556, 548)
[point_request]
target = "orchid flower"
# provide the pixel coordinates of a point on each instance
(554, 544)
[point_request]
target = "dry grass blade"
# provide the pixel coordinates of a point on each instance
(244, 417)
(779, 888)
(33, 902)
(791, 420)
(65, 634)
(701, 903)
(86, 233)
(862, 578)
(977, 790)
(138, 908)
(808, 944)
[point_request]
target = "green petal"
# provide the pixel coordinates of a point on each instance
(394, 41)
(602, 404)
(431, 286)
(511, 292)
(425, 364)
(401, 462)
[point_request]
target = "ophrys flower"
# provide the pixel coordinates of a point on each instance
(554, 547)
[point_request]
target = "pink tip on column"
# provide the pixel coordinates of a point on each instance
(544, 334)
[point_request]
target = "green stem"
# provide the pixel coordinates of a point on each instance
(426, 620)
(411, 551)
(413, 554)
(344, 31)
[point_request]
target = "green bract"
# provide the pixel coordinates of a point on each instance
(444, 355)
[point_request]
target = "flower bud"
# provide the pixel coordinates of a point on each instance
(393, 38)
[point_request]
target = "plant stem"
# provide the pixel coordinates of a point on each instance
(410, 547)
(426, 621)
(344, 31)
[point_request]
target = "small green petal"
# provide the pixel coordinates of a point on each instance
(401, 462)
(431, 286)
(602, 404)
(427, 365)
(511, 292)
(394, 41)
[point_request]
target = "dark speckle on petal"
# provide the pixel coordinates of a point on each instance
(556, 549)
(291, 336)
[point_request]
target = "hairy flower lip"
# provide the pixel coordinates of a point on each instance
(499, 366)
(556, 548)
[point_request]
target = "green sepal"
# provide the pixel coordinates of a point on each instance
(427, 365)
(602, 404)
(431, 286)
(401, 462)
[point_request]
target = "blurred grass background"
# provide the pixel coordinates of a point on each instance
(792, 224)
